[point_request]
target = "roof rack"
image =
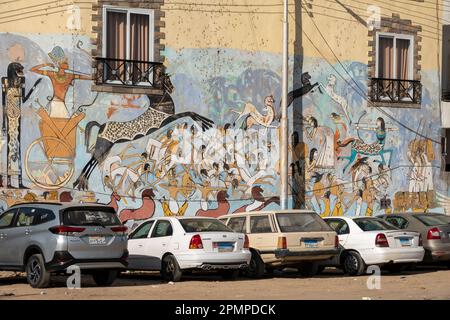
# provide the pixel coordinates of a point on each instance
(37, 202)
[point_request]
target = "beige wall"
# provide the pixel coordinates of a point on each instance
(44, 16)
(259, 27)
(243, 24)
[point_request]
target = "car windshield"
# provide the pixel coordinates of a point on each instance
(373, 224)
(301, 222)
(204, 225)
(90, 217)
(433, 220)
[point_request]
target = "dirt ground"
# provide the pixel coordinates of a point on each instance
(422, 283)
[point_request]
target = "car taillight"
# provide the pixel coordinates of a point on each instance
(336, 242)
(282, 243)
(246, 242)
(66, 230)
(420, 241)
(434, 234)
(381, 240)
(196, 242)
(119, 229)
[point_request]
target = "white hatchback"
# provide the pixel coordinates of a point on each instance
(174, 245)
(368, 241)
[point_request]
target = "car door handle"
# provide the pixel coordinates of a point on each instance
(164, 244)
(140, 245)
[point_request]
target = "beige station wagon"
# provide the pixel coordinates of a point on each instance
(285, 238)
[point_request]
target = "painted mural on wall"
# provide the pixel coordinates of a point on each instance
(210, 145)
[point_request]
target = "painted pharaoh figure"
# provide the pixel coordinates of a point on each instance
(13, 95)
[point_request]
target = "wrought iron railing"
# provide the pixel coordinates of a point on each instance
(129, 72)
(395, 91)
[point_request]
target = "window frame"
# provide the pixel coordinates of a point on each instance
(24, 211)
(341, 221)
(272, 229)
(128, 11)
(395, 36)
(142, 225)
(152, 235)
(245, 227)
(398, 217)
(13, 220)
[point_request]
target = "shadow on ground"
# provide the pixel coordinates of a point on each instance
(128, 279)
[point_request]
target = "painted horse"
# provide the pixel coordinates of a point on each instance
(358, 146)
(157, 115)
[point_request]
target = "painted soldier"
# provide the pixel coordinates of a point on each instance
(13, 95)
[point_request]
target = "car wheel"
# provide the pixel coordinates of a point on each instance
(353, 264)
(230, 274)
(170, 270)
(256, 266)
(37, 275)
(308, 269)
(104, 277)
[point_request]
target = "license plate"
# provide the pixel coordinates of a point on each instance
(405, 241)
(310, 243)
(97, 240)
(223, 246)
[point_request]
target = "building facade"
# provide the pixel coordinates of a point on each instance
(172, 107)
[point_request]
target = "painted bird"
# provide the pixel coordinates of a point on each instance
(223, 206)
(146, 210)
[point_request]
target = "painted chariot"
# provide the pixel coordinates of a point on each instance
(49, 160)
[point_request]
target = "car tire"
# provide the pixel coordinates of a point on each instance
(308, 269)
(256, 266)
(104, 277)
(230, 274)
(353, 264)
(170, 269)
(37, 275)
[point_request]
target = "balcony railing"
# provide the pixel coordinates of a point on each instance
(129, 73)
(396, 91)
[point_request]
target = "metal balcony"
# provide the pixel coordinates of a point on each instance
(395, 91)
(123, 72)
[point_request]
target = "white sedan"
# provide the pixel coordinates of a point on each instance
(368, 241)
(174, 245)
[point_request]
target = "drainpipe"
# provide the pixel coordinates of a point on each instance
(283, 122)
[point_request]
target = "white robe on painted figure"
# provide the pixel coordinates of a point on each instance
(415, 179)
(58, 109)
(427, 174)
(153, 150)
(325, 159)
(323, 140)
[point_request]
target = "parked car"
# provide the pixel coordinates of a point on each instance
(46, 238)
(366, 241)
(177, 245)
(435, 231)
(288, 238)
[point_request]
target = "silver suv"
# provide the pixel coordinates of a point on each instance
(46, 238)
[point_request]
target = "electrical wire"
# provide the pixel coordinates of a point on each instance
(351, 77)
